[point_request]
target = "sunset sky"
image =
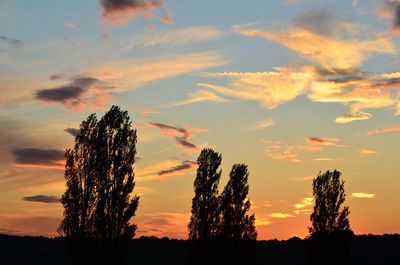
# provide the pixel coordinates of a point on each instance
(289, 87)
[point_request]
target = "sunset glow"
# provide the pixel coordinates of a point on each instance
(290, 88)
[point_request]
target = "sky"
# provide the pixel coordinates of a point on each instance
(289, 87)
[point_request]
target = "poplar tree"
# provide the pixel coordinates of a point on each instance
(205, 214)
(236, 223)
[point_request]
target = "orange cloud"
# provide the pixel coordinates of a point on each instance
(367, 152)
(198, 97)
(130, 74)
(271, 89)
(262, 124)
(389, 129)
(330, 52)
(280, 215)
(363, 195)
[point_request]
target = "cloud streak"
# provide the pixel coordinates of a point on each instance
(180, 135)
(184, 166)
(42, 199)
(363, 195)
(37, 157)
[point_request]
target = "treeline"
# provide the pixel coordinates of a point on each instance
(98, 202)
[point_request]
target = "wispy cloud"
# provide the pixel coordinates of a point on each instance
(37, 157)
(180, 135)
(262, 124)
(388, 129)
(323, 49)
(130, 74)
(271, 89)
(198, 97)
(368, 152)
(324, 141)
(42, 199)
(13, 42)
(363, 195)
(178, 169)
(302, 178)
(280, 215)
(178, 37)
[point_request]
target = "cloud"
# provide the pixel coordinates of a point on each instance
(130, 74)
(391, 9)
(72, 131)
(305, 202)
(368, 152)
(163, 224)
(198, 97)
(271, 89)
(118, 12)
(323, 159)
(361, 116)
(363, 195)
(325, 141)
(329, 52)
(13, 42)
(323, 22)
(184, 166)
(42, 198)
(280, 151)
(262, 124)
(149, 112)
(180, 135)
(71, 25)
(280, 215)
(37, 157)
(302, 178)
(388, 129)
(176, 38)
(82, 91)
(262, 222)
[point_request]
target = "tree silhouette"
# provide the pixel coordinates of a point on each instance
(234, 204)
(328, 216)
(330, 230)
(205, 216)
(100, 179)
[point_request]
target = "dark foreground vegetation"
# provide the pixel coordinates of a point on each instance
(364, 249)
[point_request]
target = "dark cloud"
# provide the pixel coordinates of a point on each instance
(37, 156)
(15, 43)
(74, 90)
(56, 77)
(328, 141)
(340, 75)
(42, 198)
(72, 131)
(386, 83)
(183, 142)
(186, 165)
(82, 90)
(391, 9)
(122, 11)
(322, 21)
(181, 135)
(167, 127)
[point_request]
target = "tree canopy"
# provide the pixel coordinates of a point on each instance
(329, 216)
(100, 179)
(205, 215)
(234, 205)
